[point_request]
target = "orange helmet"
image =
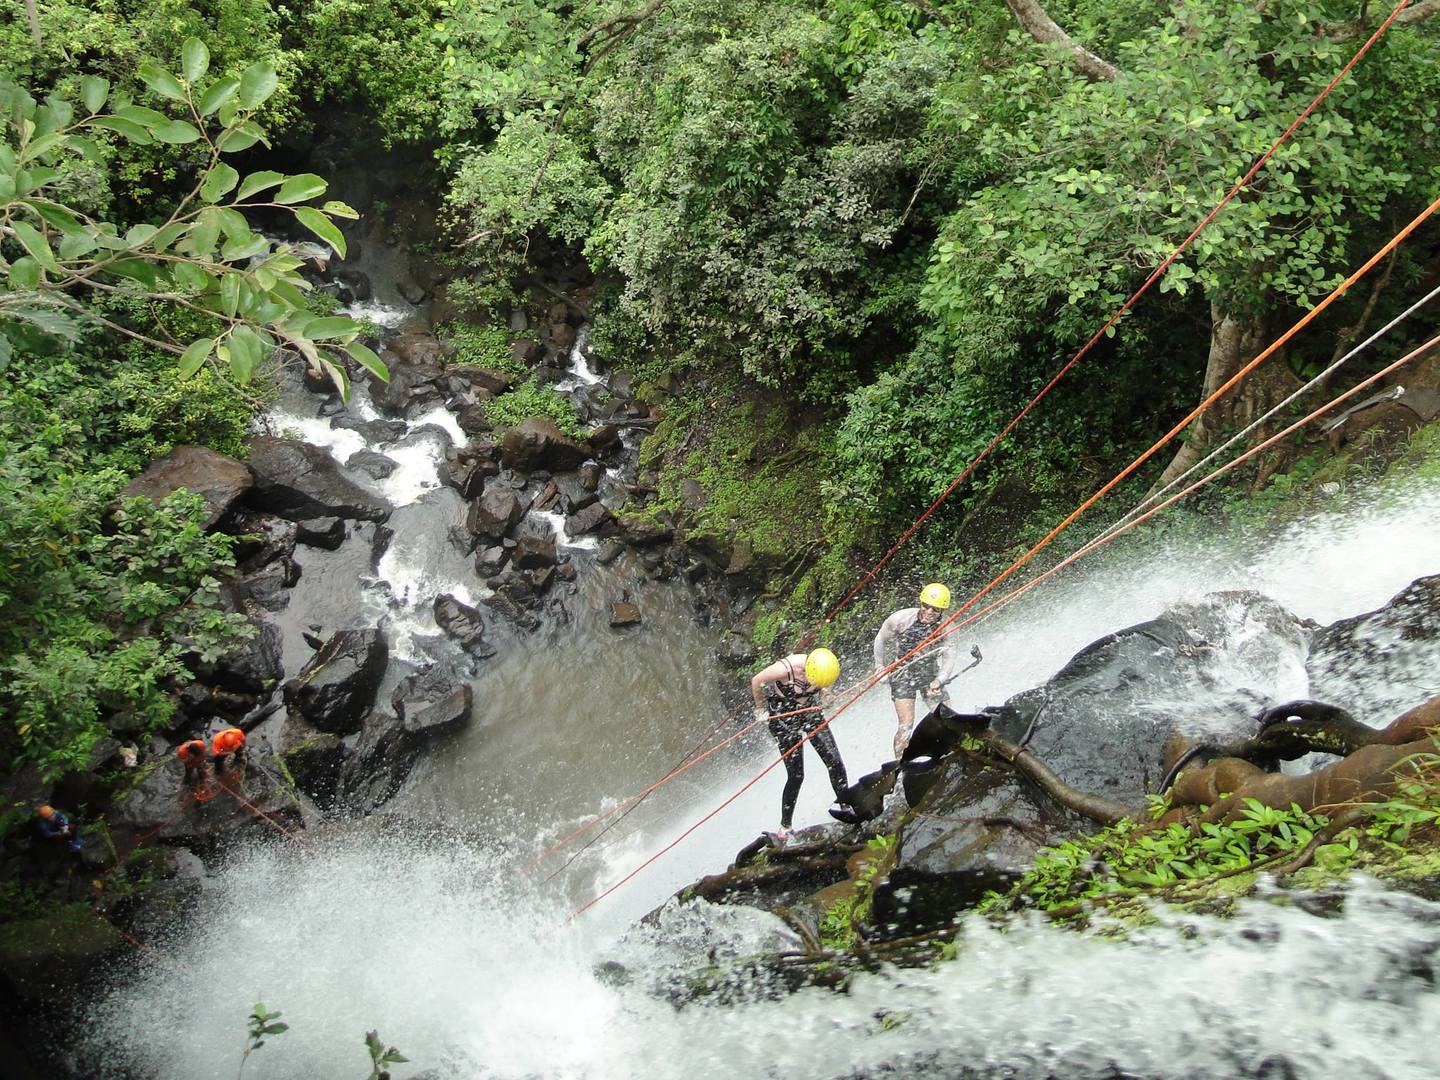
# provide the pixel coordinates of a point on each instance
(191, 751)
(228, 741)
(47, 812)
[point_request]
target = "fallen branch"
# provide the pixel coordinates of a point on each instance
(1042, 28)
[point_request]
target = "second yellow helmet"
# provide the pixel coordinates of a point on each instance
(935, 595)
(822, 668)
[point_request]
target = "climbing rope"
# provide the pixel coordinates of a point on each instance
(944, 627)
(1154, 276)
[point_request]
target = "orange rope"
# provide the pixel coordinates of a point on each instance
(948, 624)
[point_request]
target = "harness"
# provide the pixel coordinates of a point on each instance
(788, 696)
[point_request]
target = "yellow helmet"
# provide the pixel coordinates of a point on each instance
(935, 595)
(822, 668)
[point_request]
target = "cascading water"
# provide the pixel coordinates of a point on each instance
(440, 938)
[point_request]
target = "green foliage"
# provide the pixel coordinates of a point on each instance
(202, 256)
(381, 1056)
(261, 1025)
(484, 346)
(1126, 858)
(840, 925)
(531, 399)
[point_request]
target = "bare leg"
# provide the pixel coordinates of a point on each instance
(905, 713)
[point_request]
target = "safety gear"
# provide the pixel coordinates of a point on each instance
(228, 741)
(46, 812)
(192, 752)
(935, 595)
(822, 668)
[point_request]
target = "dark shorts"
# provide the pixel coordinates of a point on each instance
(906, 684)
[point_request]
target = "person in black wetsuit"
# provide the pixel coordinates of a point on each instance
(787, 693)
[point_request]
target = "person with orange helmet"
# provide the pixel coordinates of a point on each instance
(788, 695)
(192, 755)
(899, 636)
(54, 827)
(227, 748)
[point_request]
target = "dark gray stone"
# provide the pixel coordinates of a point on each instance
(337, 686)
(374, 465)
(299, 481)
(495, 512)
(537, 443)
(587, 520)
(432, 702)
(325, 533)
(463, 623)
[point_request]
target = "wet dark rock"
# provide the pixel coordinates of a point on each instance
(263, 538)
(412, 291)
(315, 760)
(742, 556)
(587, 520)
(419, 351)
(218, 479)
(537, 443)
(253, 667)
(374, 465)
(605, 439)
(467, 475)
(336, 687)
(331, 406)
(590, 473)
(642, 530)
(573, 494)
(562, 336)
(692, 495)
(607, 551)
(299, 481)
(519, 322)
(978, 828)
(532, 553)
(356, 282)
(495, 512)
(1374, 657)
(408, 387)
(433, 701)
(473, 420)
(566, 571)
(624, 614)
(59, 947)
(524, 351)
(266, 589)
(374, 431)
(463, 623)
(539, 578)
(490, 560)
(325, 533)
(1113, 685)
(477, 378)
(511, 610)
(736, 650)
(379, 544)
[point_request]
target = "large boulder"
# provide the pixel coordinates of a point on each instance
(463, 623)
(313, 758)
(1376, 664)
(336, 688)
(537, 443)
(432, 701)
(299, 481)
(218, 479)
(1201, 672)
(496, 511)
(253, 667)
(45, 956)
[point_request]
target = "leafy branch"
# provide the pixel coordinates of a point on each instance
(204, 256)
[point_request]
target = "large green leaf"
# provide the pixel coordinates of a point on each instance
(367, 358)
(161, 81)
(201, 241)
(58, 216)
(322, 227)
(300, 188)
(246, 352)
(128, 128)
(238, 250)
(150, 118)
(258, 181)
(194, 59)
(221, 180)
(177, 132)
(230, 293)
(138, 270)
(239, 138)
(24, 274)
(331, 326)
(41, 146)
(337, 376)
(218, 94)
(257, 82)
(78, 245)
(31, 240)
(194, 356)
(93, 91)
(336, 208)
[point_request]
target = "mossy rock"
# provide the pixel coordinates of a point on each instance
(46, 956)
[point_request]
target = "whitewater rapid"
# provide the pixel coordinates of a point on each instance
(474, 968)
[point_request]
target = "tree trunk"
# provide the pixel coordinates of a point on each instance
(1234, 342)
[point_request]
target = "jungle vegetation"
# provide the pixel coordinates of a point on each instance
(879, 224)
